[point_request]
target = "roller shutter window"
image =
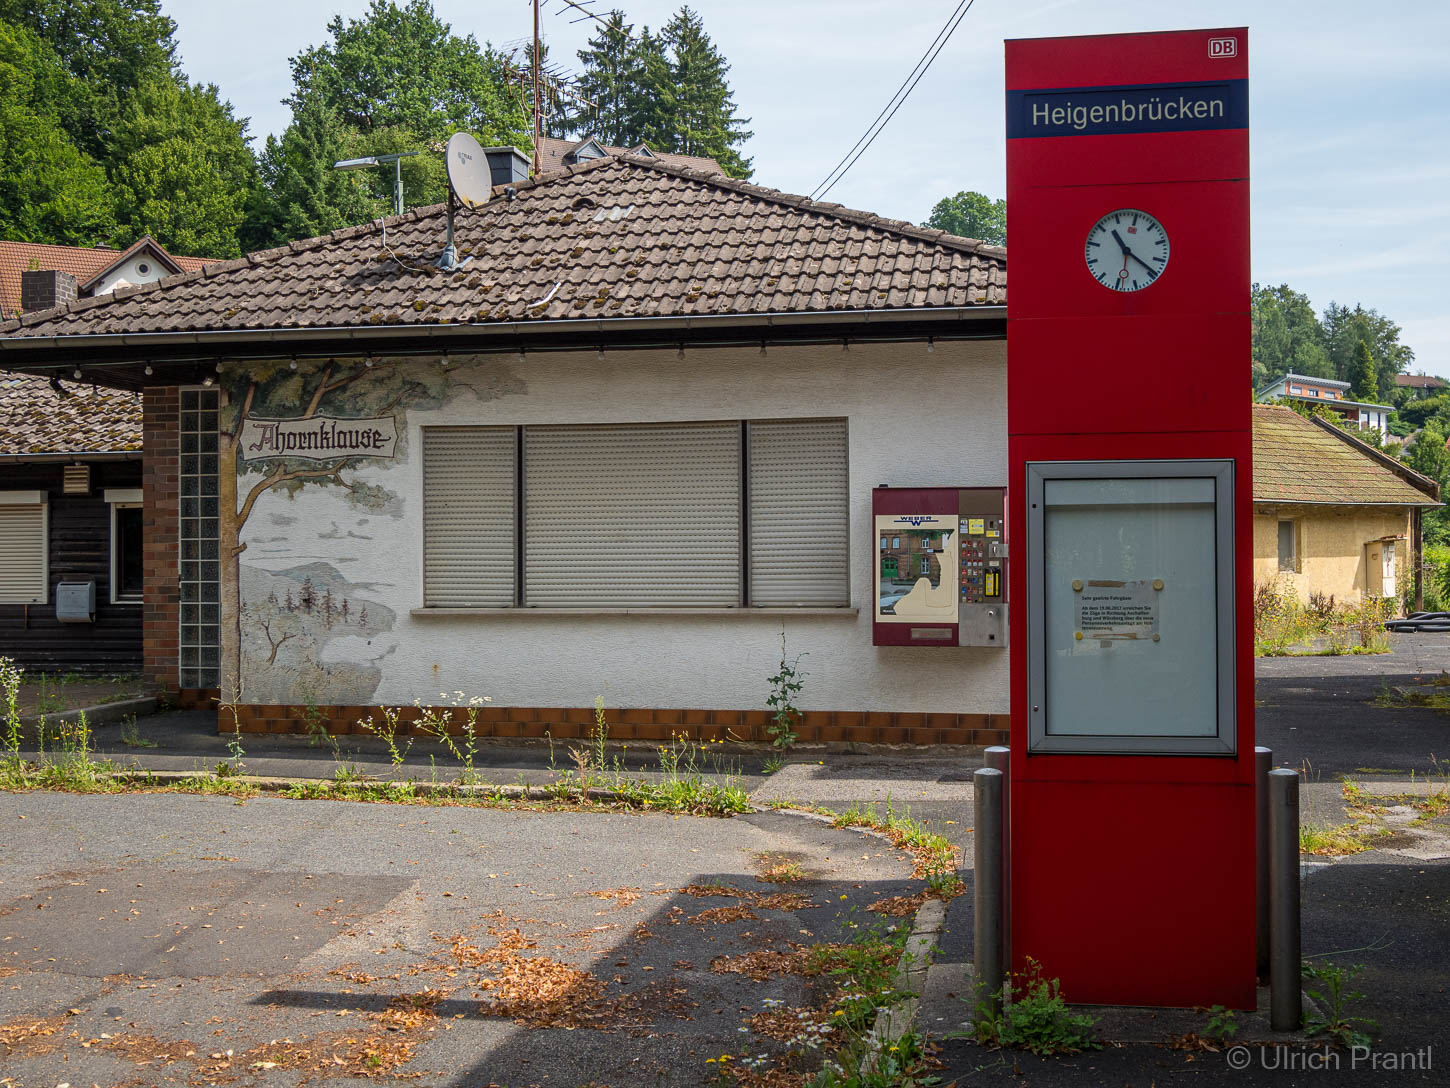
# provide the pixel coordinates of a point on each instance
(623, 516)
(799, 514)
(469, 516)
(24, 575)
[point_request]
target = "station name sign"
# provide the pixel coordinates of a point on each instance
(318, 438)
(1143, 107)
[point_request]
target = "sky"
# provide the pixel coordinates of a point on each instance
(1349, 111)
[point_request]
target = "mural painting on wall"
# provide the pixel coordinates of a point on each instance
(302, 631)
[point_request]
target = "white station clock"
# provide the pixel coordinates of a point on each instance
(1126, 250)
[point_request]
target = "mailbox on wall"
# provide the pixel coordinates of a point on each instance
(941, 566)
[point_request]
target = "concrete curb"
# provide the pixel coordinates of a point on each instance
(277, 783)
(896, 1020)
(104, 714)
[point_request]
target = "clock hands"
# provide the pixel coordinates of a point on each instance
(1129, 253)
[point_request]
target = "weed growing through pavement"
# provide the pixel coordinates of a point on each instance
(10, 676)
(439, 721)
(1285, 626)
(1329, 985)
(233, 763)
(388, 729)
(1032, 1015)
(131, 734)
(785, 686)
(1223, 1024)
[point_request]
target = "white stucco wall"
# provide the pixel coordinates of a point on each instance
(915, 418)
(131, 272)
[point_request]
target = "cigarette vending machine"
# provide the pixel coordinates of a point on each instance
(941, 566)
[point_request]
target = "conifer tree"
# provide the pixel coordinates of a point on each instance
(613, 69)
(703, 118)
(1363, 378)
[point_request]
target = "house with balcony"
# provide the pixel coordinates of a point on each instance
(1333, 394)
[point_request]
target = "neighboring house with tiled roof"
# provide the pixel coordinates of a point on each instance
(634, 434)
(556, 154)
(27, 280)
(70, 514)
(1333, 394)
(1421, 385)
(1332, 514)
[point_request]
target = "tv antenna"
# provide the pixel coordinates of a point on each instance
(470, 183)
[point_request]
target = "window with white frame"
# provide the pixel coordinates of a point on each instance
(127, 572)
(24, 547)
(1288, 545)
(718, 514)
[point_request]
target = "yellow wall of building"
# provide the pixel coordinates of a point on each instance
(1332, 543)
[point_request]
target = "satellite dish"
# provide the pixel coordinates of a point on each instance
(468, 172)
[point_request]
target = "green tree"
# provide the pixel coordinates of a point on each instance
(971, 215)
(1428, 456)
(1363, 380)
(183, 171)
(302, 196)
(1287, 336)
(703, 115)
(1346, 327)
(108, 47)
(50, 190)
(1417, 412)
(404, 67)
(613, 73)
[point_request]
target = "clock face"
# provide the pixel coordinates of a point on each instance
(1126, 250)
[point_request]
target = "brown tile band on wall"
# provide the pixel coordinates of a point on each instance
(859, 727)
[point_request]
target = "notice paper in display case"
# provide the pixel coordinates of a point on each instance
(1131, 575)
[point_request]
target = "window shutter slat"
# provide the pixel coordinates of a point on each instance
(468, 517)
(619, 516)
(22, 554)
(799, 514)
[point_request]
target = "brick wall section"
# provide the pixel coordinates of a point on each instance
(161, 615)
(651, 725)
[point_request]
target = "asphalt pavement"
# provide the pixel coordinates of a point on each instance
(166, 939)
(1387, 909)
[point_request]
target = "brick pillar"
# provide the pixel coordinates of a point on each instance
(161, 614)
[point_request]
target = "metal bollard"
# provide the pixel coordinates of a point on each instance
(999, 758)
(1286, 1007)
(987, 884)
(1263, 760)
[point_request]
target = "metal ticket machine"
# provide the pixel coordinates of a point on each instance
(941, 566)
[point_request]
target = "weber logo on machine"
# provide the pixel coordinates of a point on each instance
(1152, 107)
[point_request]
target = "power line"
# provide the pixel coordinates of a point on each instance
(896, 101)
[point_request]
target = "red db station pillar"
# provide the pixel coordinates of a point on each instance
(1132, 789)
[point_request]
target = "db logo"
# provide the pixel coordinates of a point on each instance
(1223, 47)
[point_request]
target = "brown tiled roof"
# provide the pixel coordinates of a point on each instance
(555, 154)
(617, 237)
(86, 264)
(36, 419)
(1419, 381)
(1297, 460)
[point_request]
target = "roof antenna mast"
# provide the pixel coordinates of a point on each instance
(538, 127)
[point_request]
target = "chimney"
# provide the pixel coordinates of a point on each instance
(506, 165)
(42, 290)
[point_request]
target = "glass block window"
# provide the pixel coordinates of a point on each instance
(200, 643)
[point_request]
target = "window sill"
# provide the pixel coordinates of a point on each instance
(719, 613)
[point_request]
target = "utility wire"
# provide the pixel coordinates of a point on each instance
(896, 101)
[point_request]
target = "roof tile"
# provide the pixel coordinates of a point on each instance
(1298, 461)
